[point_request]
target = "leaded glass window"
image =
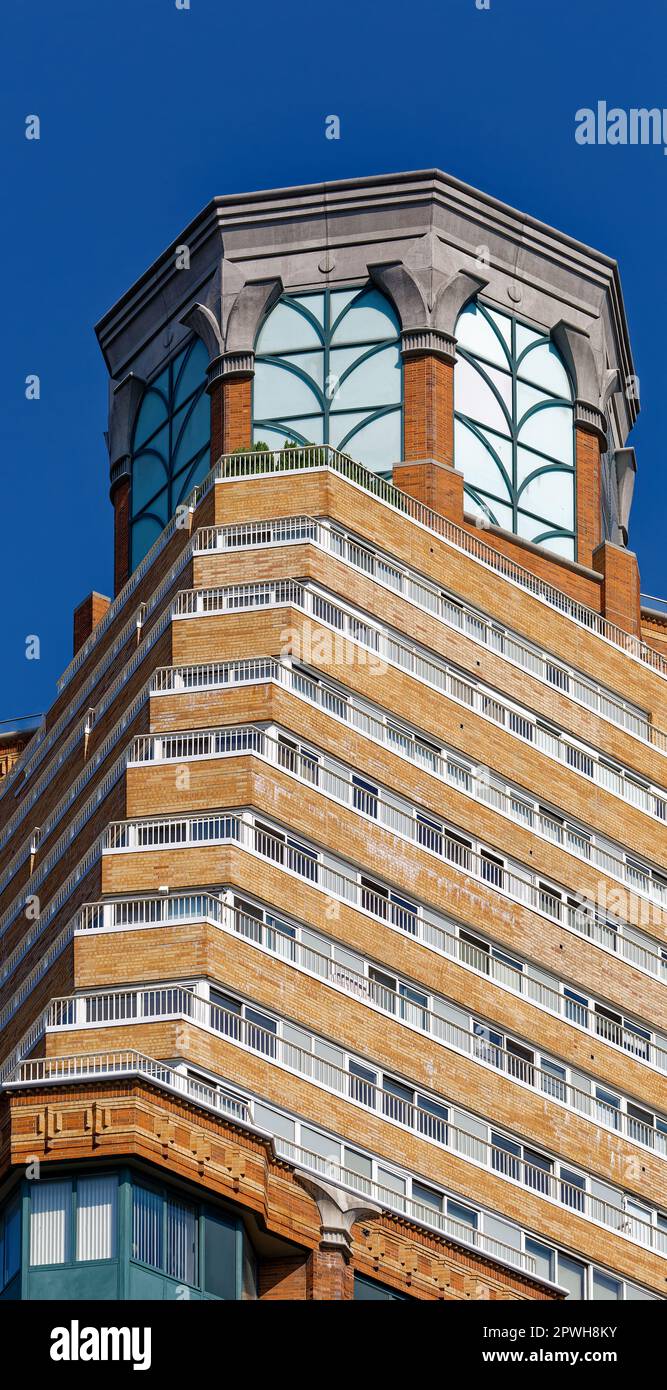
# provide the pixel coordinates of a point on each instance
(328, 371)
(514, 428)
(171, 446)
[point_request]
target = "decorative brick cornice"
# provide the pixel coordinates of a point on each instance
(433, 341)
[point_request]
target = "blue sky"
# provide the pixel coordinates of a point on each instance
(147, 111)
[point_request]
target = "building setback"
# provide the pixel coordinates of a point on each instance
(332, 884)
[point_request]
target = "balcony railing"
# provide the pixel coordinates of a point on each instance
(176, 1002)
(390, 1200)
(334, 779)
(254, 464)
(450, 610)
(99, 1066)
(467, 1041)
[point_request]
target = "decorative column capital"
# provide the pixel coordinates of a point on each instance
(232, 366)
(433, 341)
(589, 417)
(339, 1211)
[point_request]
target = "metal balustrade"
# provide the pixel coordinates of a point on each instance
(222, 826)
(422, 665)
(390, 1200)
(255, 464)
(467, 1041)
(76, 787)
(151, 1003)
(36, 1071)
(175, 680)
(228, 741)
(98, 1066)
(518, 882)
(452, 611)
(129, 588)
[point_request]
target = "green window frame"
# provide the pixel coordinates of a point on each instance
(171, 445)
(514, 428)
(328, 371)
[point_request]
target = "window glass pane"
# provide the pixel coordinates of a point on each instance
(375, 381)
(475, 333)
(480, 462)
(189, 371)
(181, 1241)
(475, 398)
(542, 365)
(220, 1257)
(604, 1287)
(369, 1289)
(147, 1227)
(572, 1275)
(49, 1223)
(426, 1196)
(96, 1206)
(149, 475)
(377, 445)
(282, 391)
(369, 319)
(152, 415)
(320, 1144)
(543, 1257)
(550, 494)
(463, 1215)
(190, 433)
(550, 430)
(362, 375)
(358, 1163)
(145, 533)
(285, 329)
(12, 1241)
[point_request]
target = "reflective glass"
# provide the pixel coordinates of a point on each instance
(348, 392)
(171, 446)
(512, 426)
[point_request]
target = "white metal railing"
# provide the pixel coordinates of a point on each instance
(440, 936)
(35, 1071)
(390, 1200)
(254, 464)
(422, 665)
(129, 588)
(365, 989)
(151, 1003)
(430, 598)
(222, 826)
(341, 704)
(183, 745)
(94, 762)
(651, 602)
(98, 1066)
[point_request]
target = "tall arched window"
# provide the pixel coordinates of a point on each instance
(170, 447)
(514, 428)
(328, 371)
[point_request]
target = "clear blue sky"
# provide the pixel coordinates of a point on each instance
(147, 112)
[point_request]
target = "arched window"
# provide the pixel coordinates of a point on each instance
(514, 428)
(170, 447)
(328, 371)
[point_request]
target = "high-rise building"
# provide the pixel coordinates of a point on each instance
(333, 949)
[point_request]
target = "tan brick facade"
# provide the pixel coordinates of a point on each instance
(515, 1181)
